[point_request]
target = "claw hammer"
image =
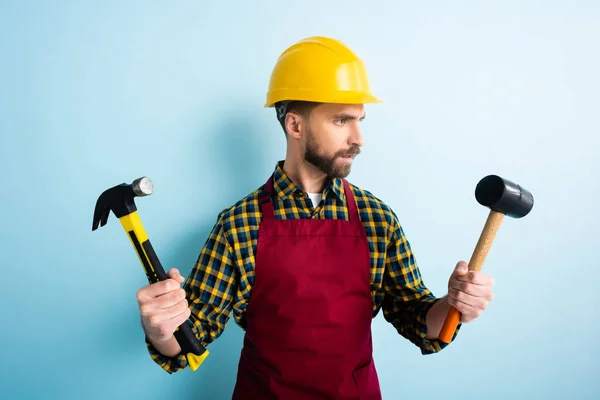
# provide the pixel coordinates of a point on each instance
(120, 200)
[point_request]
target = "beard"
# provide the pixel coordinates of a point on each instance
(325, 163)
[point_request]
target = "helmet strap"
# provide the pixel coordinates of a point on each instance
(281, 108)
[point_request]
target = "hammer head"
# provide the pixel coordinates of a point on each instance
(504, 196)
(119, 199)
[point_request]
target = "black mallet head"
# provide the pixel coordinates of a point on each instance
(504, 196)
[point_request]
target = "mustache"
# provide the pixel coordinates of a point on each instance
(354, 150)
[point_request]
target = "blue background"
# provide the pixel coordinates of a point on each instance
(93, 94)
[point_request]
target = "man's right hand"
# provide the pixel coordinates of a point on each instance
(163, 307)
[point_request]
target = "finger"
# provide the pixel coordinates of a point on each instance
(472, 301)
(471, 289)
(157, 289)
(171, 324)
(467, 311)
(460, 269)
(169, 299)
(164, 329)
(476, 278)
(174, 274)
(162, 304)
(162, 315)
(179, 319)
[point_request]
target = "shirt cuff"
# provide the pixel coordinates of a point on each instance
(169, 364)
(429, 346)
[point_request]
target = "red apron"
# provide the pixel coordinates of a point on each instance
(308, 333)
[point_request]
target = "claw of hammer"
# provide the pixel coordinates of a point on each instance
(119, 199)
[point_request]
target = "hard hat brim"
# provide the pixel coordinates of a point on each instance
(339, 97)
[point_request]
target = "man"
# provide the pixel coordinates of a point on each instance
(308, 260)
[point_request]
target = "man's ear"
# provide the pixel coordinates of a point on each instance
(293, 124)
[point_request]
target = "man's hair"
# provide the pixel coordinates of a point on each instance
(303, 108)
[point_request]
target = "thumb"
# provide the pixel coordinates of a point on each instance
(174, 274)
(461, 268)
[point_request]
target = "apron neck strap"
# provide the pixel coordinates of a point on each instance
(266, 203)
(351, 204)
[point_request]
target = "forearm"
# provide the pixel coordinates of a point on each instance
(168, 348)
(436, 317)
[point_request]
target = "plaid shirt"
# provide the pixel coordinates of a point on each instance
(221, 281)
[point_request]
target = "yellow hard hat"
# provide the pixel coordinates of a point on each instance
(322, 70)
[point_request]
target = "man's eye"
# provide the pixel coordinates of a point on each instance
(340, 122)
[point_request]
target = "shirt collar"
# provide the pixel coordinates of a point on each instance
(284, 187)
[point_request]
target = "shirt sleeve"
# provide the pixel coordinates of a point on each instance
(407, 300)
(210, 288)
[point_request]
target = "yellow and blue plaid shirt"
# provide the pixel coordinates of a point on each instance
(221, 281)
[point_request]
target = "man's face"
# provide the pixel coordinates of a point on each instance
(333, 137)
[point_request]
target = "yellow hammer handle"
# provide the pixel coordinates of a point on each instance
(194, 351)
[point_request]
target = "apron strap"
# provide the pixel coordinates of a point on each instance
(266, 205)
(351, 203)
(268, 212)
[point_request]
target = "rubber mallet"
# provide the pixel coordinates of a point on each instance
(503, 197)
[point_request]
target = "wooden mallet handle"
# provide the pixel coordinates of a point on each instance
(479, 254)
(503, 197)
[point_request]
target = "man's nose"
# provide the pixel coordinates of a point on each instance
(356, 137)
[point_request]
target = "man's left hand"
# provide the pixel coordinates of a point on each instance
(469, 291)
